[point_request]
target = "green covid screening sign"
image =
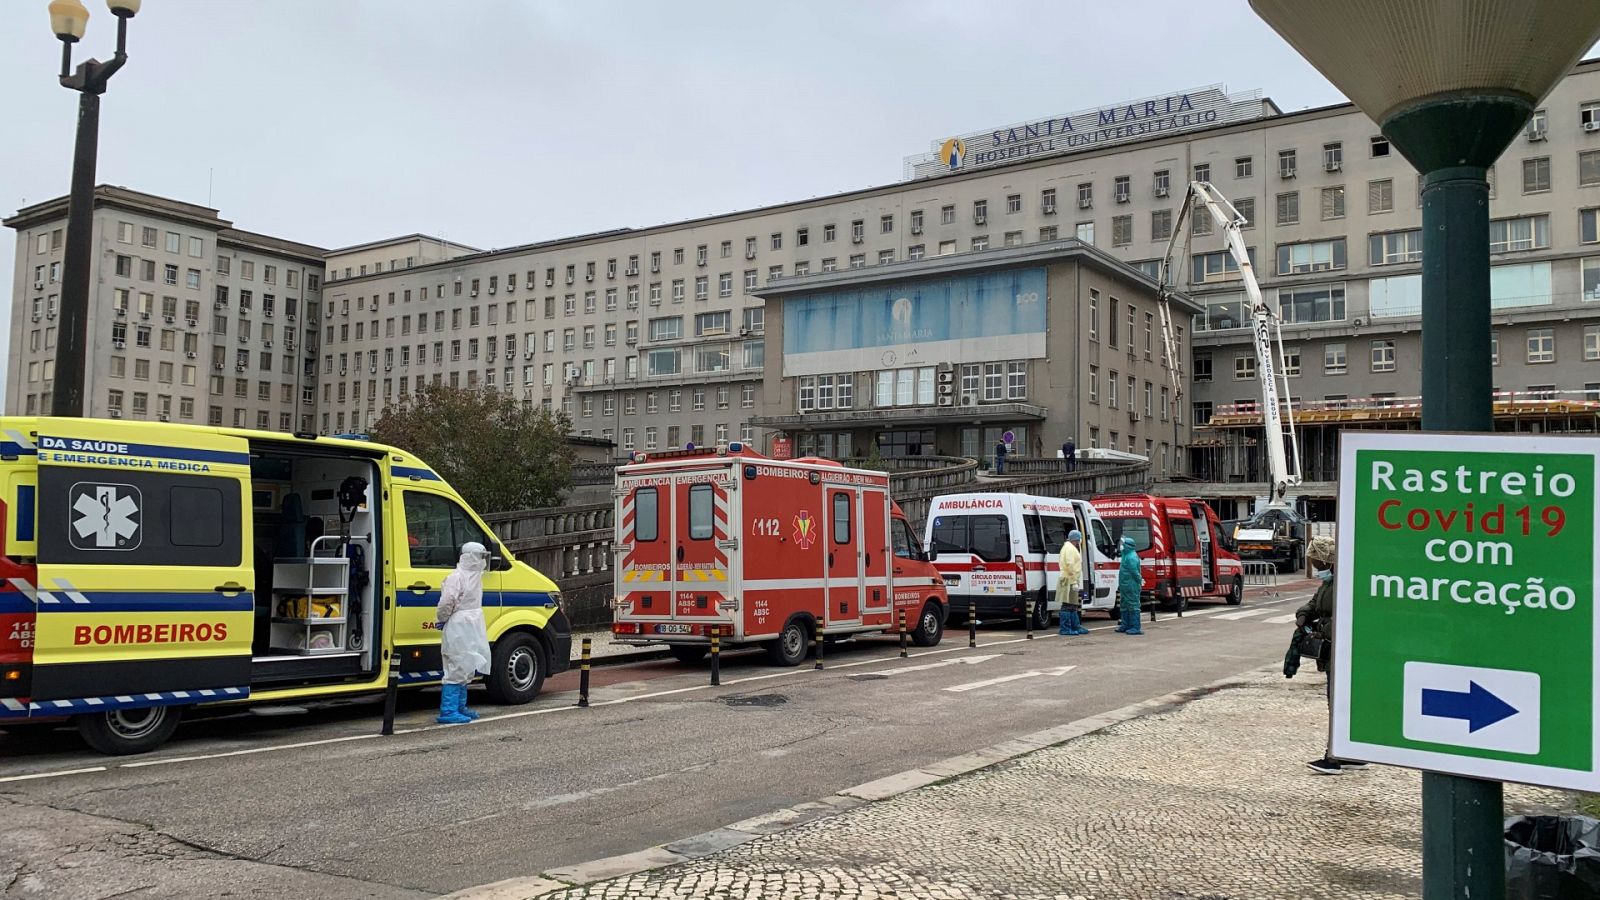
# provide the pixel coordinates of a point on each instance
(1465, 622)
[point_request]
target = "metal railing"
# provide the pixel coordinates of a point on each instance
(1260, 574)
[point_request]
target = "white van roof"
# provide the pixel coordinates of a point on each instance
(959, 504)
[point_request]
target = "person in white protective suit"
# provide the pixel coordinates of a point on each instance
(464, 638)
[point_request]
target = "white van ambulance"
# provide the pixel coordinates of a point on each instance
(1001, 552)
(146, 568)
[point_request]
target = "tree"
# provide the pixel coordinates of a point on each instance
(499, 454)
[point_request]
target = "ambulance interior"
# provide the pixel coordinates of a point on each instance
(316, 558)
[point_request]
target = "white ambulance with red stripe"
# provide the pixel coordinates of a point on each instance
(1183, 550)
(764, 551)
(999, 554)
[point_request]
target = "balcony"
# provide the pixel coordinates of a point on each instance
(904, 415)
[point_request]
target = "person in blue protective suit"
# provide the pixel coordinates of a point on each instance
(1130, 580)
(1069, 585)
(464, 642)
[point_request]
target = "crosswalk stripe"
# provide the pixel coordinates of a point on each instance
(1244, 614)
(1279, 620)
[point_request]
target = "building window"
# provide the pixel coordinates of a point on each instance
(914, 252)
(1494, 348)
(858, 231)
(1244, 367)
(1217, 266)
(1522, 233)
(1588, 226)
(1333, 202)
(1286, 163)
(981, 242)
(886, 224)
(1333, 156)
(1591, 342)
(916, 221)
(1047, 201)
(1383, 356)
(1542, 345)
(1111, 390)
(1243, 167)
(980, 212)
(1334, 359)
(1589, 168)
(1395, 247)
(1160, 224)
(1016, 381)
(1202, 367)
(1311, 256)
(1536, 175)
(1315, 303)
(1246, 208)
(1085, 232)
(885, 256)
(1094, 384)
(1380, 195)
(1380, 146)
(947, 215)
(1086, 195)
(1289, 208)
(1291, 362)
(1121, 231)
(1202, 172)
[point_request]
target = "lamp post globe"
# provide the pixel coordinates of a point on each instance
(123, 9)
(1450, 83)
(68, 19)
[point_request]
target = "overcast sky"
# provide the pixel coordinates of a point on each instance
(493, 122)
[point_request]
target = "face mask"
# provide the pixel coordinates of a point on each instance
(1326, 575)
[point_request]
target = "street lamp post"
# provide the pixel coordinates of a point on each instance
(68, 19)
(1450, 82)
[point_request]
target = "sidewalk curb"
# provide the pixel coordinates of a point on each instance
(701, 845)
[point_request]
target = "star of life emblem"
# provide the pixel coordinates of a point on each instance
(105, 516)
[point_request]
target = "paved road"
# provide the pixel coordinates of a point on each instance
(316, 804)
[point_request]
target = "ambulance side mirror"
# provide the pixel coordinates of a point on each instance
(499, 564)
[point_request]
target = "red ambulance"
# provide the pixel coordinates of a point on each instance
(764, 551)
(1182, 548)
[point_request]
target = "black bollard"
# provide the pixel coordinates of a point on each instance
(972, 624)
(583, 675)
(1027, 617)
(819, 643)
(392, 695)
(902, 634)
(716, 655)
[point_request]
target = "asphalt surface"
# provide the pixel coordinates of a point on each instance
(317, 804)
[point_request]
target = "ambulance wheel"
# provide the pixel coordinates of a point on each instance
(517, 672)
(790, 647)
(930, 626)
(122, 732)
(1041, 612)
(688, 653)
(1236, 591)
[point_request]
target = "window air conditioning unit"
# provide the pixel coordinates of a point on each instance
(373, 370)
(1122, 197)
(119, 345)
(36, 317)
(1287, 172)
(38, 285)
(589, 276)
(1333, 166)
(1162, 192)
(170, 320)
(549, 281)
(633, 270)
(527, 354)
(121, 314)
(633, 341)
(165, 417)
(744, 332)
(473, 293)
(969, 399)
(217, 366)
(220, 304)
(238, 368)
(946, 400)
(976, 220)
(1591, 126)
(311, 318)
(192, 323)
(50, 314)
(491, 292)
(1050, 208)
(343, 372)
(916, 229)
(388, 367)
(144, 316)
(267, 344)
(946, 390)
(511, 354)
(190, 354)
(1086, 204)
(243, 339)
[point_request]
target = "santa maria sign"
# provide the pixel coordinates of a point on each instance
(1465, 625)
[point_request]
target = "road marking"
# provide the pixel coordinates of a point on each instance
(988, 682)
(958, 661)
(1279, 620)
(1244, 614)
(52, 774)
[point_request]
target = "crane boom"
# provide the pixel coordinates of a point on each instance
(1277, 413)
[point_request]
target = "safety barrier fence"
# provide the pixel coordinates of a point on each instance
(1260, 574)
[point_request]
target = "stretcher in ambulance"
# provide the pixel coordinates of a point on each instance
(1182, 550)
(764, 552)
(151, 568)
(1000, 553)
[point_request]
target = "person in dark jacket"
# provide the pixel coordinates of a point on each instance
(1069, 452)
(1000, 458)
(1317, 613)
(1130, 581)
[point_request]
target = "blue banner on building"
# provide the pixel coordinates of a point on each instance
(960, 307)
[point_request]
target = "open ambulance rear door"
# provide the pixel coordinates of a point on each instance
(145, 585)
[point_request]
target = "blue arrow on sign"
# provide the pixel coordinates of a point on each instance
(1477, 705)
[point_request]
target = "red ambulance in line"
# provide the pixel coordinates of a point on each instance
(1183, 550)
(767, 552)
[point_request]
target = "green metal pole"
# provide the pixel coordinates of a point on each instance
(1463, 853)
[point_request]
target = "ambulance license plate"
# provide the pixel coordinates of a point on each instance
(952, 580)
(674, 629)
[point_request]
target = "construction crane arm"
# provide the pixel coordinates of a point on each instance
(1277, 414)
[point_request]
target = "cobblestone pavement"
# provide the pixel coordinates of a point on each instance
(1210, 801)
(602, 644)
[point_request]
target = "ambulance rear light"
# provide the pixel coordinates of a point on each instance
(14, 681)
(1022, 575)
(625, 628)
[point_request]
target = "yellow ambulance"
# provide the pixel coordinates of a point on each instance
(146, 568)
